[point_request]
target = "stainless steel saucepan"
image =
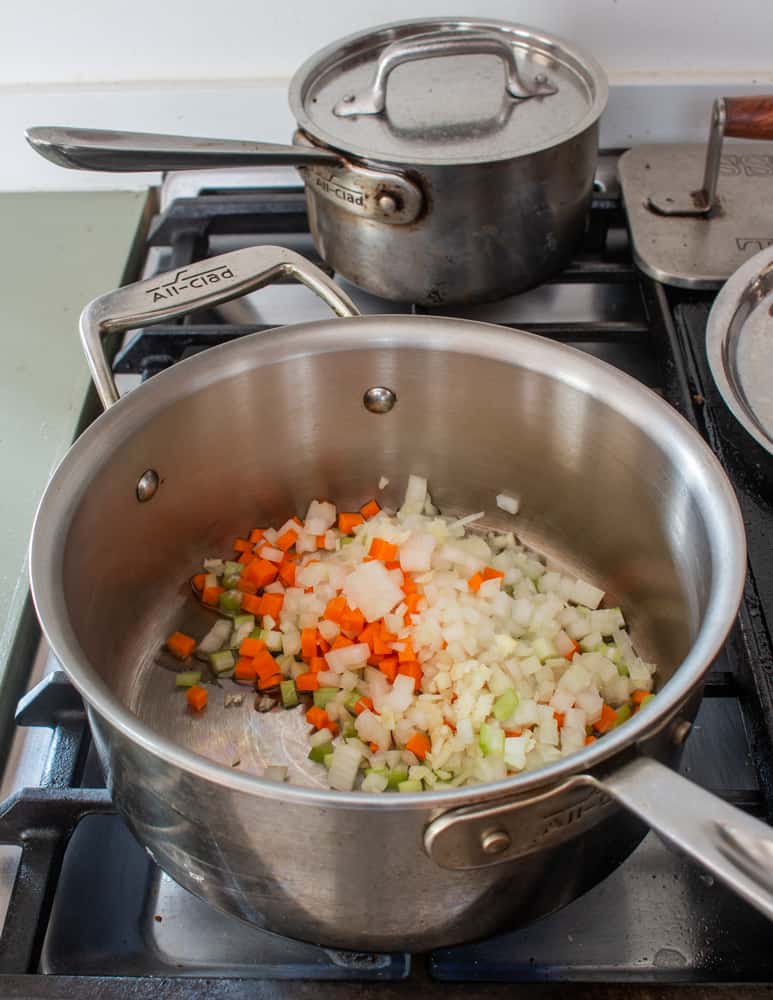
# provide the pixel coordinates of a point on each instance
(612, 483)
(445, 160)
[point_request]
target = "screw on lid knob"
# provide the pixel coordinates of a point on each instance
(387, 204)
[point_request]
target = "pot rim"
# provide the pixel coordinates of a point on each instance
(398, 332)
(317, 63)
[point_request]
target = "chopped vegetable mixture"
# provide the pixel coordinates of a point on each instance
(423, 656)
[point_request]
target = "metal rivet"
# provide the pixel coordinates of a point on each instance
(348, 98)
(540, 78)
(147, 485)
(681, 731)
(495, 841)
(387, 204)
(379, 399)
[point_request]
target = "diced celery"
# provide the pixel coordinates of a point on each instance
(257, 633)
(377, 770)
(506, 704)
(187, 678)
(623, 670)
(409, 786)
(230, 601)
(318, 754)
(289, 693)
(349, 730)
(351, 700)
(397, 775)
(327, 760)
(242, 621)
(347, 540)
(646, 700)
(222, 661)
(323, 695)
(623, 713)
(492, 740)
(232, 568)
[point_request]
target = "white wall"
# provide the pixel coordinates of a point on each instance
(221, 67)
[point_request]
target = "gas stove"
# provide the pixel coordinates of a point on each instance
(88, 910)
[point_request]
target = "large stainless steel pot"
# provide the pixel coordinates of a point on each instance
(612, 482)
(445, 161)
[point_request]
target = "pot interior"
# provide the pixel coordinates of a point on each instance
(249, 433)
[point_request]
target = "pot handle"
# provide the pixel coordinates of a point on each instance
(733, 846)
(736, 848)
(119, 152)
(204, 283)
(431, 45)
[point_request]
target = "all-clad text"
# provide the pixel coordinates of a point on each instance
(184, 279)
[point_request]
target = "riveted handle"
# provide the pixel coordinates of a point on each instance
(749, 117)
(432, 45)
(206, 283)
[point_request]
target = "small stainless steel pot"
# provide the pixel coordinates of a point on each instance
(612, 483)
(445, 160)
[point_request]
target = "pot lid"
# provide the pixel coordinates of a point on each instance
(739, 345)
(443, 91)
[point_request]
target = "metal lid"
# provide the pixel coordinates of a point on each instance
(445, 91)
(739, 344)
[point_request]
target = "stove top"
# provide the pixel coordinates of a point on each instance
(88, 910)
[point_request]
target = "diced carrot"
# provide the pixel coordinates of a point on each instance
(363, 704)
(251, 647)
(307, 682)
(370, 509)
(388, 666)
(287, 572)
(261, 572)
(513, 732)
(576, 648)
(375, 659)
(368, 634)
(374, 747)
(409, 587)
(412, 602)
(256, 535)
(246, 558)
(474, 582)
(419, 745)
(411, 669)
(271, 604)
(348, 522)
(317, 717)
(308, 643)
(180, 645)
(340, 641)
(335, 609)
(589, 740)
(392, 564)
(352, 621)
(323, 644)
(211, 595)
(242, 545)
(637, 697)
(287, 540)
(607, 721)
(197, 697)
(489, 573)
(264, 663)
(269, 681)
(559, 717)
(199, 580)
(406, 654)
(317, 664)
(251, 604)
(320, 540)
(246, 586)
(450, 725)
(381, 549)
(245, 669)
(382, 641)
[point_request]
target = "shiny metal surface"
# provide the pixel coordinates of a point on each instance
(740, 347)
(433, 45)
(453, 110)
(657, 525)
(101, 149)
(698, 252)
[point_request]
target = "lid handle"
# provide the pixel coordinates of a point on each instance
(372, 101)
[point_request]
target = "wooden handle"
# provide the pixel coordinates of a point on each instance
(749, 117)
